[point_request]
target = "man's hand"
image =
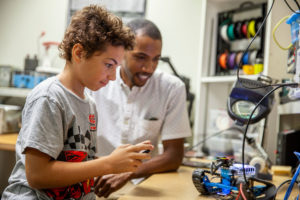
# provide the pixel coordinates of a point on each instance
(110, 183)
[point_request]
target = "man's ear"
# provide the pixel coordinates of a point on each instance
(77, 52)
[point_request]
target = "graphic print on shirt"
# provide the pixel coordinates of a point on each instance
(92, 122)
(80, 145)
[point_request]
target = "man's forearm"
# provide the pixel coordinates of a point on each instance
(160, 163)
(170, 160)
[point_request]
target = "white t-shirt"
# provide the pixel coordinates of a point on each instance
(155, 111)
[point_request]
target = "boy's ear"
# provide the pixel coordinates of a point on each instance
(77, 52)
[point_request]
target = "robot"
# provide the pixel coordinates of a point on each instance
(231, 181)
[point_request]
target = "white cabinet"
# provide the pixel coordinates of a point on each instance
(288, 116)
(212, 91)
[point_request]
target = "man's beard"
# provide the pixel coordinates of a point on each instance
(129, 75)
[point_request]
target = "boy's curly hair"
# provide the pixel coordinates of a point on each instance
(94, 28)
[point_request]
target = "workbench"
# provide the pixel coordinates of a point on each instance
(179, 185)
(165, 186)
(8, 141)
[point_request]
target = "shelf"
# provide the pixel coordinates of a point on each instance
(225, 79)
(289, 108)
(14, 92)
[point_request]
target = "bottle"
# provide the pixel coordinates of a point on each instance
(258, 65)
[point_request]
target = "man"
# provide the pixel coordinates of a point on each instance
(142, 104)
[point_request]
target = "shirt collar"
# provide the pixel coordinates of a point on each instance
(119, 78)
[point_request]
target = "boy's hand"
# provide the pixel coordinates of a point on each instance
(145, 142)
(127, 158)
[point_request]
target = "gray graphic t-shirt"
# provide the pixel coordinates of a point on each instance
(60, 124)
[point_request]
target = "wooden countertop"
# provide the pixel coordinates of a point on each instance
(179, 185)
(8, 141)
(172, 185)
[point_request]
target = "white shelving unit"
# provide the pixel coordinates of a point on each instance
(288, 116)
(212, 91)
(289, 108)
(225, 79)
(14, 92)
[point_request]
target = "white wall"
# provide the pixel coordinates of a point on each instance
(179, 22)
(22, 22)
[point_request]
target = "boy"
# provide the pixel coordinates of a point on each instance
(60, 121)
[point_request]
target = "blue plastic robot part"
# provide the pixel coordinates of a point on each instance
(238, 169)
(289, 190)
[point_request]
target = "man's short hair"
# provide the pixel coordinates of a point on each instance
(146, 26)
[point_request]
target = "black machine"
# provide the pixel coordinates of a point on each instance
(242, 101)
(287, 143)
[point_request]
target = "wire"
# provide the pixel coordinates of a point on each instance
(242, 193)
(238, 196)
(248, 122)
(288, 5)
(296, 2)
(273, 34)
(213, 135)
(285, 182)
